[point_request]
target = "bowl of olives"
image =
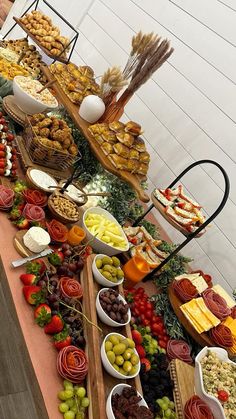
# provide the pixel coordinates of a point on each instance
(119, 356)
(107, 270)
(112, 308)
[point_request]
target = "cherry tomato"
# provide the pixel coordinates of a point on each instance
(146, 322)
(157, 328)
(2, 121)
(142, 317)
(223, 395)
(155, 319)
(2, 164)
(2, 154)
(2, 147)
(148, 314)
(2, 172)
(5, 128)
(165, 338)
(136, 312)
(10, 136)
(162, 344)
(142, 308)
(149, 306)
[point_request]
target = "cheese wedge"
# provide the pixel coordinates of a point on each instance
(219, 290)
(200, 284)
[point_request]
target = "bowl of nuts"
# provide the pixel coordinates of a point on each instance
(112, 308)
(63, 208)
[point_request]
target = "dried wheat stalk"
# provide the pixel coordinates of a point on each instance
(112, 82)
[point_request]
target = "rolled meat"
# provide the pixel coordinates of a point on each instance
(222, 336)
(35, 197)
(196, 408)
(70, 288)
(216, 304)
(6, 197)
(233, 312)
(184, 289)
(179, 349)
(57, 231)
(33, 213)
(72, 364)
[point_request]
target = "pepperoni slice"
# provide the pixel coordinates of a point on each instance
(72, 364)
(196, 408)
(179, 349)
(184, 289)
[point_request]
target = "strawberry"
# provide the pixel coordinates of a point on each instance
(62, 339)
(55, 326)
(31, 293)
(28, 279)
(22, 223)
(38, 267)
(42, 314)
(56, 258)
(137, 337)
(141, 351)
(147, 364)
(15, 213)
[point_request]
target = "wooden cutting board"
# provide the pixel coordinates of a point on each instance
(182, 375)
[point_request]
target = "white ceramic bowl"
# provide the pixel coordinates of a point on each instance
(99, 278)
(97, 244)
(28, 103)
(107, 365)
(104, 317)
(118, 390)
(211, 401)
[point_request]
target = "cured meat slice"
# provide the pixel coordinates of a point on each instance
(184, 289)
(6, 197)
(72, 364)
(57, 231)
(70, 288)
(179, 349)
(216, 304)
(233, 312)
(196, 408)
(35, 197)
(33, 213)
(222, 336)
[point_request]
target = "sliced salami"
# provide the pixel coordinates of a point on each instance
(196, 408)
(33, 213)
(72, 364)
(6, 197)
(216, 304)
(178, 349)
(57, 231)
(222, 336)
(184, 289)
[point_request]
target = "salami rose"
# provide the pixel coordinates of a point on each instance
(233, 312)
(6, 197)
(222, 336)
(216, 304)
(180, 350)
(72, 364)
(57, 231)
(33, 213)
(196, 408)
(35, 197)
(70, 288)
(184, 289)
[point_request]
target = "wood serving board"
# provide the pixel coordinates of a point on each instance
(100, 381)
(161, 208)
(201, 338)
(27, 162)
(182, 375)
(25, 252)
(45, 50)
(73, 110)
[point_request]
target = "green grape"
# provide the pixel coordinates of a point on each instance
(85, 402)
(172, 405)
(164, 406)
(67, 385)
(61, 395)
(74, 408)
(159, 402)
(81, 392)
(63, 407)
(166, 399)
(168, 413)
(82, 409)
(70, 402)
(155, 343)
(68, 394)
(69, 415)
(80, 415)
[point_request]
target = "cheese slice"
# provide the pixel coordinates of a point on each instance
(188, 276)
(200, 284)
(192, 319)
(219, 290)
(194, 312)
(207, 313)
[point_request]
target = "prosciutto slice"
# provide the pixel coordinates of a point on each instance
(6, 197)
(179, 349)
(57, 231)
(72, 364)
(33, 213)
(70, 288)
(216, 304)
(196, 408)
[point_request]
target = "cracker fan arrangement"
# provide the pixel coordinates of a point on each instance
(87, 303)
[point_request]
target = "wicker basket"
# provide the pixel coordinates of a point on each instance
(44, 155)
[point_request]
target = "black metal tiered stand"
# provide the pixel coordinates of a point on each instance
(72, 42)
(189, 236)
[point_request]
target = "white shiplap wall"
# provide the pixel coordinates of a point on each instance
(187, 110)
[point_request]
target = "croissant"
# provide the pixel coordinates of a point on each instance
(46, 45)
(55, 51)
(48, 38)
(57, 45)
(41, 32)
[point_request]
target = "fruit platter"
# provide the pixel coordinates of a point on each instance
(180, 210)
(206, 311)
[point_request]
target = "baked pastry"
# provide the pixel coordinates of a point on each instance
(125, 138)
(132, 166)
(142, 169)
(99, 139)
(134, 154)
(133, 128)
(116, 126)
(144, 157)
(118, 162)
(121, 150)
(139, 144)
(107, 148)
(109, 137)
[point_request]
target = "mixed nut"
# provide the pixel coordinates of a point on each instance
(65, 207)
(113, 306)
